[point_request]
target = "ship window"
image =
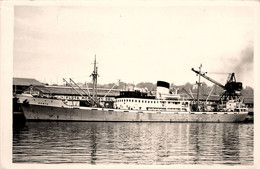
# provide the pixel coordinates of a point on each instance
(139, 101)
(145, 101)
(135, 100)
(142, 101)
(148, 101)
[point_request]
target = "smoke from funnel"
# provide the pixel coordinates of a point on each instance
(244, 68)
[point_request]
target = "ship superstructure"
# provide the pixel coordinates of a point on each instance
(163, 101)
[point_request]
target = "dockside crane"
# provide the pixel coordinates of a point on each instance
(232, 87)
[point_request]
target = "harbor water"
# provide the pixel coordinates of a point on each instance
(133, 143)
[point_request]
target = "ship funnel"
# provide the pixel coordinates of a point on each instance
(163, 88)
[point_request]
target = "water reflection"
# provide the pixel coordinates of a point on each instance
(133, 143)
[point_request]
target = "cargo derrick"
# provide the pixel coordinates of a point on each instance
(232, 88)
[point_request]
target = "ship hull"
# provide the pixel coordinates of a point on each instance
(39, 112)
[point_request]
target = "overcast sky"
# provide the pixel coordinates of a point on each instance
(134, 43)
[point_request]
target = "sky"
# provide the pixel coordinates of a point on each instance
(134, 43)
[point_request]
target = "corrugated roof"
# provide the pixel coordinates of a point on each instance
(61, 90)
(249, 100)
(211, 98)
(204, 97)
(26, 82)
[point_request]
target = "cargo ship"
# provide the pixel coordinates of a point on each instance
(135, 106)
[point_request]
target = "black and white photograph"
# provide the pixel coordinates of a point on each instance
(129, 83)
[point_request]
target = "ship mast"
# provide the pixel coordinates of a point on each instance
(198, 88)
(94, 79)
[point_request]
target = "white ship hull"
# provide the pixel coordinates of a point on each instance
(56, 110)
